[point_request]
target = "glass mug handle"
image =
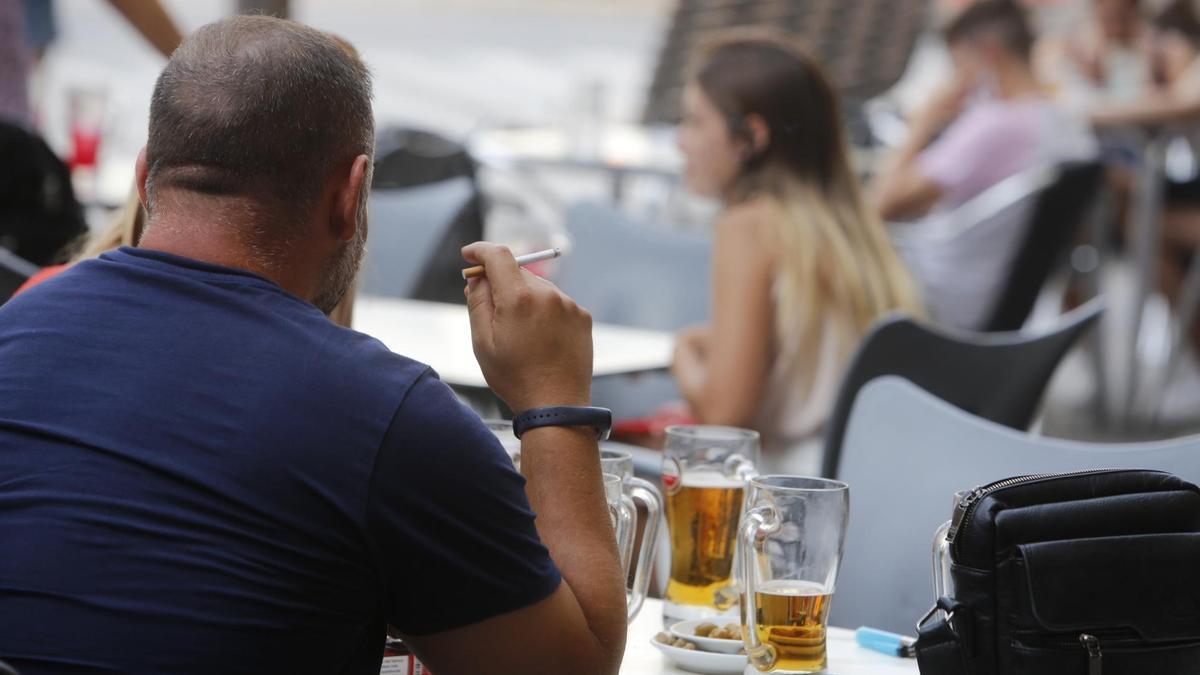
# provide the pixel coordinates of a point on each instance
(624, 518)
(756, 525)
(739, 466)
(644, 492)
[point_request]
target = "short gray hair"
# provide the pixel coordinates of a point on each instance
(258, 106)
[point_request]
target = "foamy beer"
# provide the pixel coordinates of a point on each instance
(620, 463)
(705, 469)
(791, 544)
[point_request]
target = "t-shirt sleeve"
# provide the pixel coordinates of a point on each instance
(977, 151)
(452, 531)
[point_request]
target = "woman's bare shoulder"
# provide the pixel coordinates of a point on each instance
(752, 223)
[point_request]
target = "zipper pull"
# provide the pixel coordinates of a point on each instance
(1095, 658)
(960, 511)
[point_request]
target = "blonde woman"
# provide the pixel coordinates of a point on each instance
(125, 229)
(801, 267)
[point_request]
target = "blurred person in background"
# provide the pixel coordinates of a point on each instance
(39, 213)
(23, 38)
(990, 121)
(1175, 51)
(801, 265)
(238, 485)
(1175, 104)
(1107, 59)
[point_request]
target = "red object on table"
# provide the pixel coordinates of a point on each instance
(655, 424)
(85, 147)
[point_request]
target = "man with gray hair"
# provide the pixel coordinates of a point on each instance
(200, 473)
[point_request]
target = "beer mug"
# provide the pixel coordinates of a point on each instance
(943, 583)
(511, 444)
(623, 514)
(704, 474)
(791, 544)
(620, 463)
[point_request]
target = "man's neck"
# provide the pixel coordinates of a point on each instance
(222, 243)
(1016, 80)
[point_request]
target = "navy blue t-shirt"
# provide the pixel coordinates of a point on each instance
(200, 473)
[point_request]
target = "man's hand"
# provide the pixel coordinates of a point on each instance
(533, 342)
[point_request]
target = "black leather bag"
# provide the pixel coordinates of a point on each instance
(1090, 573)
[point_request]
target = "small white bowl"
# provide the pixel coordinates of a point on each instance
(687, 631)
(697, 661)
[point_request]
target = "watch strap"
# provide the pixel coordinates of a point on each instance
(599, 419)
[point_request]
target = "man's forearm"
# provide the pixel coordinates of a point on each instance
(562, 467)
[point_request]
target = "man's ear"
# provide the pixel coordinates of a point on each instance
(351, 198)
(141, 175)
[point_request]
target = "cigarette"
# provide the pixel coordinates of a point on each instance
(522, 260)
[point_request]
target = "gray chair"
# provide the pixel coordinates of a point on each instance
(414, 237)
(997, 376)
(14, 271)
(635, 275)
(906, 454)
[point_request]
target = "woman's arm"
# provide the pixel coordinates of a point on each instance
(1162, 108)
(722, 370)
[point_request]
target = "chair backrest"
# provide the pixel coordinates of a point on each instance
(634, 275)
(1057, 217)
(414, 237)
(407, 158)
(962, 257)
(864, 45)
(6, 669)
(39, 214)
(997, 376)
(906, 454)
(14, 271)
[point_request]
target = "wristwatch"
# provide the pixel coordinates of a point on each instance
(599, 419)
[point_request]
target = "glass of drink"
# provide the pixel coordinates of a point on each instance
(791, 545)
(704, 474)
(624, 517)
(620, 463)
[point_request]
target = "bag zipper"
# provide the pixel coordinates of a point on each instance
(966, 507)
(1095, 658)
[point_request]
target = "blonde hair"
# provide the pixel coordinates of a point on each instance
(835, 251)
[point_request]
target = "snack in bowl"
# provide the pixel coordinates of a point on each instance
(710, 637)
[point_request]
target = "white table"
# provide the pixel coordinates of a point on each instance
(621, 151)
(439, 335)
(845, 656)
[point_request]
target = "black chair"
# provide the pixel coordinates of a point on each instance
(14, 271)
(6, 669)
(1056, 220)
(415, 237)
(426, 206)
(39, 214)
(996, 376)
(406, 158)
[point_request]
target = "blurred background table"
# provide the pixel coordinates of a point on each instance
(845, 656)
(440, 335)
